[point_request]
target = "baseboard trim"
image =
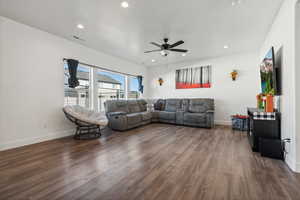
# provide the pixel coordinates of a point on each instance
(297, 167)
(223, 122)
(290, 162)
(33, 140)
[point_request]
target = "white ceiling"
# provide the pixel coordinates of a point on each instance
(205, 25)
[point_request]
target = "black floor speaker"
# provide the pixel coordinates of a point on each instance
(272, 148)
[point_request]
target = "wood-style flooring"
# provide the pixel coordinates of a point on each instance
(158, 161)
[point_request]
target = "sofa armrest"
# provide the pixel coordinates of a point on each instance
(112, 114)
(210, 118)
(117, 120)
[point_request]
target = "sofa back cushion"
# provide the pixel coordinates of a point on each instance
(160, 104)
(143, 105)
(133, 106)
(172, 105)
(200, 105)
(116, 106)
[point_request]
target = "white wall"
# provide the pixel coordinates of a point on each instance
(31, 82)
(297, 80)
(282, 34)
(231, 97)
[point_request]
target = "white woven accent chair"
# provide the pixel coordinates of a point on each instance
(88, 122)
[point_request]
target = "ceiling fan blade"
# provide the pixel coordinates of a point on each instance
(177, 43)
(152, 51)
(155, 44)
(179, 50)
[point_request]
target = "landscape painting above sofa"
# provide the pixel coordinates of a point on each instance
(193, 77)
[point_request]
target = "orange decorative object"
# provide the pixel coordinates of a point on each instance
(160, 81)
(269, 103)
(234, 75)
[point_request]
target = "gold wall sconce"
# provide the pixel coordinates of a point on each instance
(160, 81)
(234, 74)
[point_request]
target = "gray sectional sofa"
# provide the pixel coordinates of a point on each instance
(127, 114)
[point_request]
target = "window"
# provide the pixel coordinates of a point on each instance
(80, 94)
(96, 86)
(109, 86)
(133, 90)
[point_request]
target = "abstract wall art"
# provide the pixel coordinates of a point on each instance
(193, 77)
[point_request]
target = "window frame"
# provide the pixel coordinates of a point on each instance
(93, 85)
(129, 89)
(90, 86)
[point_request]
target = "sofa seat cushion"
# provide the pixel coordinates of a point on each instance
(194, 118)
(146, 116)
(155, 114)
(167, 115)
(134, 118)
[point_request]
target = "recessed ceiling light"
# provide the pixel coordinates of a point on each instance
(226, 46)
(236, 2)
(80, 26)
(125, 4)
(184, 54)
(152, 60)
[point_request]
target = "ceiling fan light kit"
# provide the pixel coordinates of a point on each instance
(164, 53)
(166, 48)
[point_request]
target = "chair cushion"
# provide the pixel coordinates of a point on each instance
(172, 105)
(134, 118)
(86, 115)
(194, 118)
(133, 106)
(146, 115)
(200, 105)
(167, 115)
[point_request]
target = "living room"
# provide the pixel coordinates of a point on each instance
(109, 44)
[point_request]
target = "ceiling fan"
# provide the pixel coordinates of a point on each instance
(165, 47)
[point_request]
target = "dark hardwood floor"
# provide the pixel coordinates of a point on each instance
(157, 161)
